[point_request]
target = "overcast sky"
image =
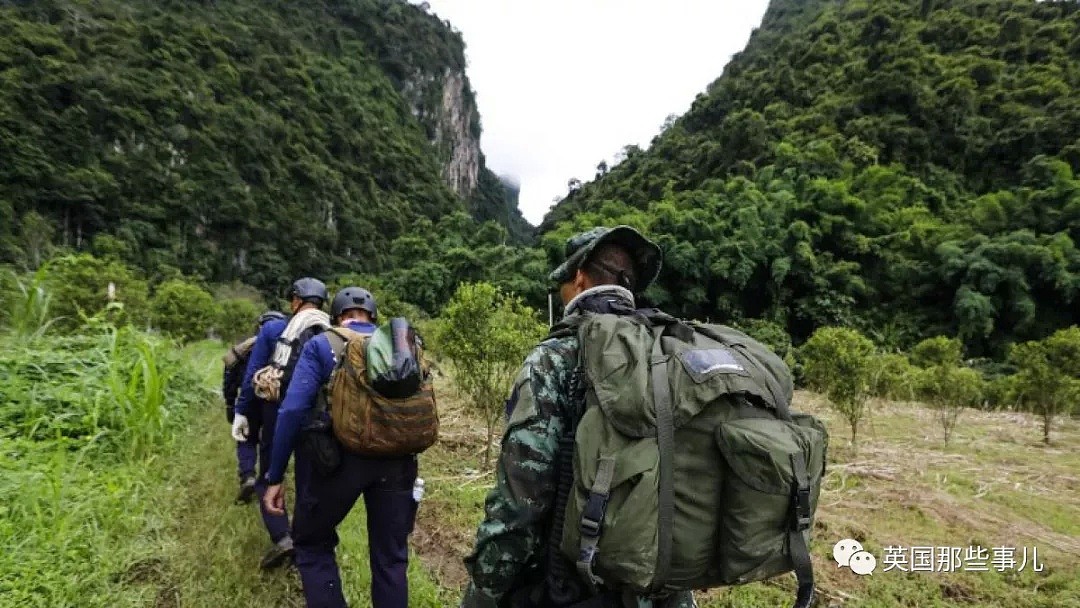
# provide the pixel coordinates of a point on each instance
(564, 84)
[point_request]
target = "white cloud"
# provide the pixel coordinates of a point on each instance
(564, 84)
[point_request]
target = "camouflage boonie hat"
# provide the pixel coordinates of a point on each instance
(645, 253)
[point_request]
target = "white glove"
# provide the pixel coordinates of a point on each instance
(240, 427)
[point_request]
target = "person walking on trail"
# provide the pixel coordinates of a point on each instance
(256, 414)
(324, 499)
(514, 562)
(232, 378)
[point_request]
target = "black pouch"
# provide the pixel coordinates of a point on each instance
(321, 447)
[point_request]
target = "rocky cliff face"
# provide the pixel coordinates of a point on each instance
(454, 134)
(443, 103)
(424, 56)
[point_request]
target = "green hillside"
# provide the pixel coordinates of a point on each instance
(237, 140)
(907, 168)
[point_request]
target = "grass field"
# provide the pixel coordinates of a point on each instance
(163, 532)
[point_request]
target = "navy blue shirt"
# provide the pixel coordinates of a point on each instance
(261, 352)
(312, 371)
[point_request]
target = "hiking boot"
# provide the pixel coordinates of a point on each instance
(247, 490)
(278, 554)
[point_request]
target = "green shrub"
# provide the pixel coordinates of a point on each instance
(235, 318)
(769, 333)
(939, 350)
(1049, 378)
(183, 310)
(836, 361)
(486, 334)
(892, 376)
(1001, 392)
(79, 285)
(950, 389)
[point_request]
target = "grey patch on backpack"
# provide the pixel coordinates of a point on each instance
(703, 363)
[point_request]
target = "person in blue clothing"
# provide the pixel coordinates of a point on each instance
(256, 418)
(323, 501)
(233, 376)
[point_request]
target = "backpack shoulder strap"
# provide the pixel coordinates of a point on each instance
(340, 337)
(566, 327)
(337, 339)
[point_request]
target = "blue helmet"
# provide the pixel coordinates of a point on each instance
(308, 290)
(351, 298)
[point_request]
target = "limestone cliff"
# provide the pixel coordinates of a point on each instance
(445, 105)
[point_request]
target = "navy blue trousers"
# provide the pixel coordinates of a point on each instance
(246, 456)
(322, 504)
(261, 425)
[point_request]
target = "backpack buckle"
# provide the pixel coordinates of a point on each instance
(802, 508)
(592, 516)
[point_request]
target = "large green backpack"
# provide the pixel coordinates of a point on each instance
(689, 471)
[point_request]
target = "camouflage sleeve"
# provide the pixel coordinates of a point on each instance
(509, 541)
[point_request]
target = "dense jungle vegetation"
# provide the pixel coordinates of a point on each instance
(906, 168)
(238, 140)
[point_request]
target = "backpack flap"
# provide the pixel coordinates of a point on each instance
(616, 363)
(764, 364)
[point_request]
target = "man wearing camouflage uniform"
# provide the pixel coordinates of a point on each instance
(511, 566)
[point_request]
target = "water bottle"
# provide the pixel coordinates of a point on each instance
(418, 489)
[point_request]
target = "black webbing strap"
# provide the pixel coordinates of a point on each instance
(800, 522)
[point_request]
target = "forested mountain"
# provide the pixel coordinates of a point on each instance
(905, 167)
(248, 140)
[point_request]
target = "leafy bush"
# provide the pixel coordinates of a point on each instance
(1001, 392)
(950, 389)
(235, 318)
(183, 310)
(836, 361)
(939, 350)
(892, 376)
(79, 285)
(486, 334)
(1048, 380)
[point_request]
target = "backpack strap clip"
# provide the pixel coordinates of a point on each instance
(592, 516)
(800, 553)
(592, 520)
(801, 494)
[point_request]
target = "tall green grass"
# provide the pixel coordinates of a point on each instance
(28, 305)
(85, 423)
